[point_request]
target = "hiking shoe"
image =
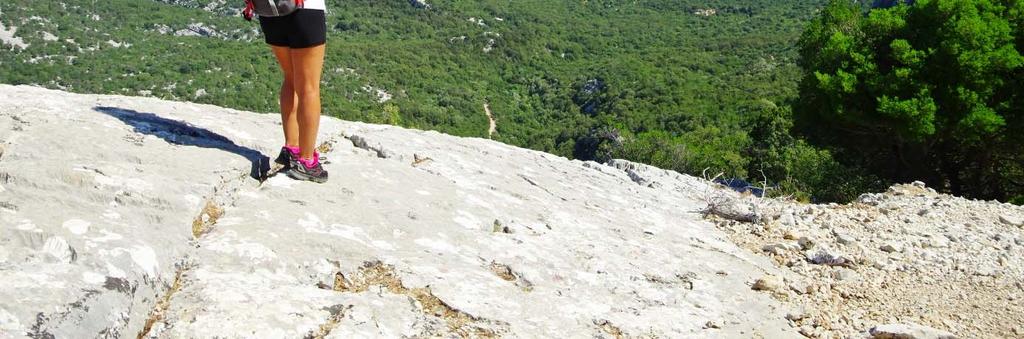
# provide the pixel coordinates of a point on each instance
(285, 157)
(302, 170)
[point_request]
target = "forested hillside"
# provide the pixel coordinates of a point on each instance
(680, 84)
(932, 91)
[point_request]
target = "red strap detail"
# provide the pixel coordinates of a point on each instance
(299, 4)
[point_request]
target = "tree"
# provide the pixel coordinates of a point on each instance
(929, 91)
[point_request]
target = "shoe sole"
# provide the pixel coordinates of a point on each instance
(301, 176)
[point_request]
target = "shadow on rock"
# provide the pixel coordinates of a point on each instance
(181, 133)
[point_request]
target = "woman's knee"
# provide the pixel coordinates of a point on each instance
(288, 89)
(307, 89)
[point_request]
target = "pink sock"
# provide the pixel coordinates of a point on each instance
(292, 149)
(310, 163)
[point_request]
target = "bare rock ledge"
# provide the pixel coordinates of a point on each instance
(126, 217)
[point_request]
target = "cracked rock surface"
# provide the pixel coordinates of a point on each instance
(135, 217)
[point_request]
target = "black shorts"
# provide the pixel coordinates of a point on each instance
(301, 29)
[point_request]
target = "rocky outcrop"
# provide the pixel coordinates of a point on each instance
(908, 331)
(136, 217)
(419, 4)
(705, 12)
(882, 265)
(9, 40)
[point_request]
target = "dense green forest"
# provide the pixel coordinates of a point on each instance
(932, 91)
(680, 84)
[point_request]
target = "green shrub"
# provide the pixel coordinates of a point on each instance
(931, 91)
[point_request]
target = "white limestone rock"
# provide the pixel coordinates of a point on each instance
(908, 331)
(174, 229)
(1011, 220)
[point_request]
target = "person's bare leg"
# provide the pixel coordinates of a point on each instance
(288, 98)
(307, 64)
